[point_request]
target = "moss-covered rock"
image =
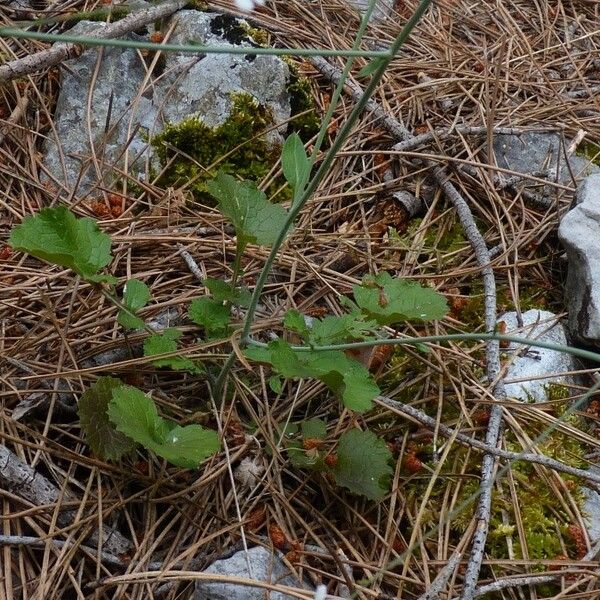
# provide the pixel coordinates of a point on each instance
(191, 152)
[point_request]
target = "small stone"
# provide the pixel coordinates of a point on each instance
(533, 151)
(532, 367)
(578, 231)
(258, 564)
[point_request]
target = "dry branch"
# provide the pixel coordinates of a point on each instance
(539, 459)
(20, 479)
(60, 52)
(482, 256)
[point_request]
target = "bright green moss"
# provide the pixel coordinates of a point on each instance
(259, 36)
(237, 147)
(542, 516)
(591, 151)
(301, 100)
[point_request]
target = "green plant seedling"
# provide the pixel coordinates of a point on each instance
(390, 300)
(222, 291)
(135, 415)
(166, 342)
(255, 219)
(295, 163)
(57, 236)
(345, 377)
(370, 67)
(363, 464)
(136, 295)
(212, 315)
(332, 329)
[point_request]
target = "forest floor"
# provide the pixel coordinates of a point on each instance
(488, 64)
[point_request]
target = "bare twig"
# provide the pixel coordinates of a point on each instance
(482, 256)
(540, 459)
(439, 583)
(60, 52)
(20, 479)
(512, 582)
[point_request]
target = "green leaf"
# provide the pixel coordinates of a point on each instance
(295, 163)
(225, 292)
(167, 342)
(103, 438)
(371, 67)
(295, 321)
(337, 330)
(135, 415)
(347, 378)
(255, 219)
(57, 236)
(363, 464)
(211, 314)
(388, 300)
(136, 295)
(315, 429)
(276, 384)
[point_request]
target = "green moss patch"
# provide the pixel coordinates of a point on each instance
(191, 152)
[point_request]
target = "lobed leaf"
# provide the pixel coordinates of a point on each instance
(135, 415)
(211, 314)
(347, 378)
(255, 219)
(57, 236)
(363, 464)
(222, 291)
(165, 342)
(101, 434)
(389, 300)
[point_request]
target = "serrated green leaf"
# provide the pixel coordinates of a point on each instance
(211, 314)
(57, 236)
(294, 321)
(340, 329)
(101, 434)
(225, 292)
(167, 342)
(135, 415)
(363, 464)
(136, 295)
(315, 429)
(347, 378)
(188, 446)
(370, 67)
(390, 300)
(295, 163)
(255, 219)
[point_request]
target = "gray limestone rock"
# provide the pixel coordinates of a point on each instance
(538, 367)
(579, 232)
(103, 132)
(591, 510)
(533, 151)
(383, 8)
(92, 127)
(264, 566)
